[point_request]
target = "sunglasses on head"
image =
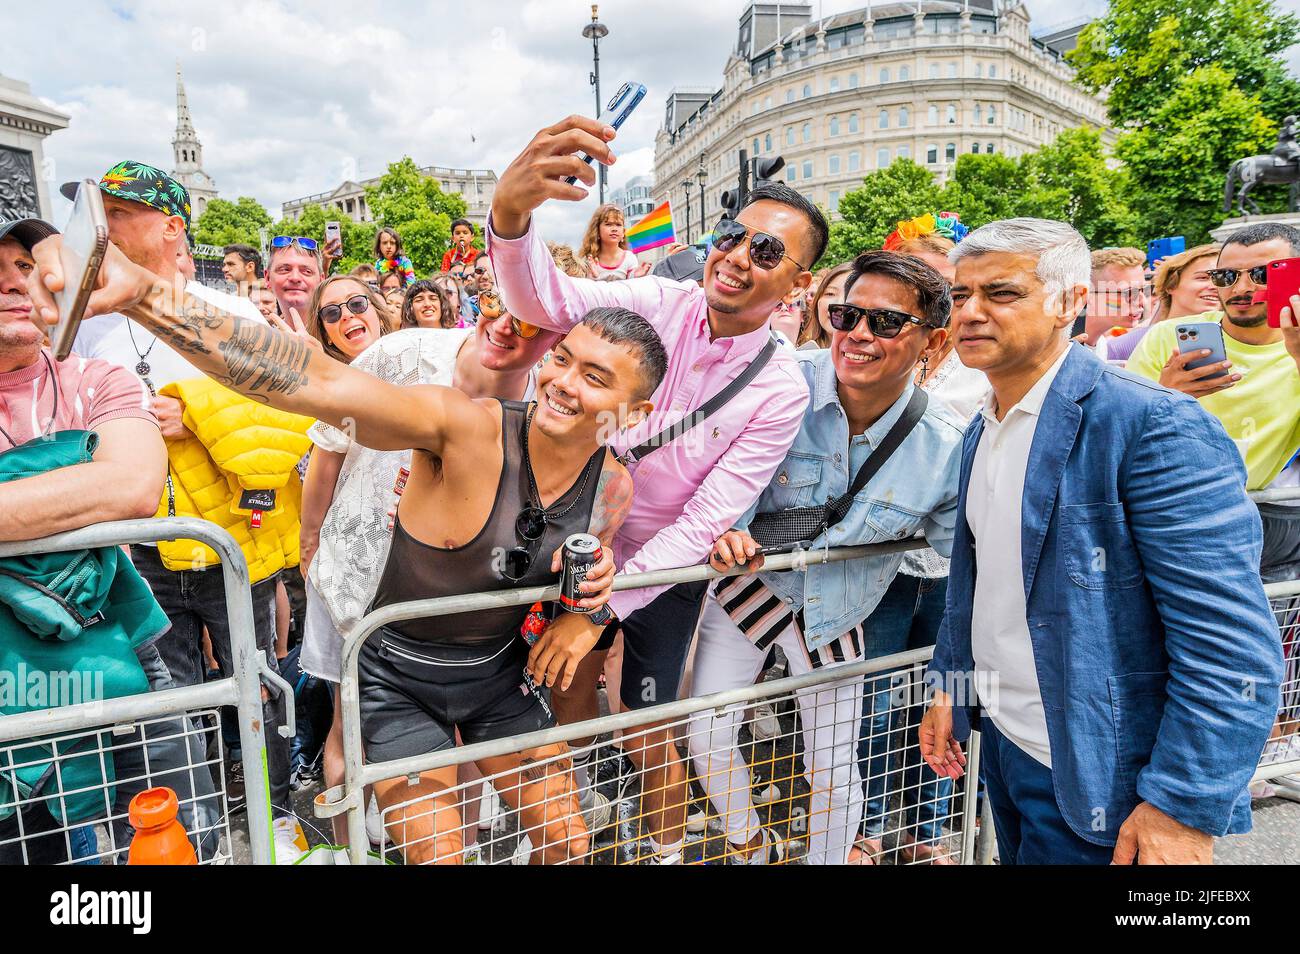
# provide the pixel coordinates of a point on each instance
(357, 304)
(765, 250)
(882, 322)
(491, 308)
(284, 241)
(1227, 277)
(529, 527)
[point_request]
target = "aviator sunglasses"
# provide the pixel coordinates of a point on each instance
(765, 250)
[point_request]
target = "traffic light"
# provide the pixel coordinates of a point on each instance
(753, 173)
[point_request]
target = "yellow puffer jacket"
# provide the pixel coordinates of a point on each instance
(238, 445)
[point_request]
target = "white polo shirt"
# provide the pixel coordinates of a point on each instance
(1004, 656)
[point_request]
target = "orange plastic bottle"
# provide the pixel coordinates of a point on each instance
(159, 838)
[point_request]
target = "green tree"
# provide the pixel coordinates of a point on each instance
(1140, 50)
(358, 237)
(412, 203)
(1072, 180)
(1176, 162)
(871, 212)
(230, 223)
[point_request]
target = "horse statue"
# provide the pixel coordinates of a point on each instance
(1282, 165)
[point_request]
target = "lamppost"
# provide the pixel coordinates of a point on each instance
(687, 185)
(596, 31)
(701, 176)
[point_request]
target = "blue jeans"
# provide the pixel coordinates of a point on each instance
(907, 618)
(1027, 820)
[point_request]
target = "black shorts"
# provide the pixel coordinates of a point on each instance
(415, 695)
(656, 641)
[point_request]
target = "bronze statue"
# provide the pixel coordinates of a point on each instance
(1282, 165)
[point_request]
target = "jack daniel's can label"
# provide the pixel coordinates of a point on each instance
(581, 553)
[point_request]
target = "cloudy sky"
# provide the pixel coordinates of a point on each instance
(291, 97)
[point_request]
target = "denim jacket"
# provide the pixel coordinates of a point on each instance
(916, 490)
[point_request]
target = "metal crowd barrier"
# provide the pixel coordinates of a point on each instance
(795, 788)
(154, 738)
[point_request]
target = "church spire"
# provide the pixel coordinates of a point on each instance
(184, 125)
(188, 153)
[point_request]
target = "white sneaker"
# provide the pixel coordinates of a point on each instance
(772, 852)
(696, 821)
(289, 840)
(375, 830)
(770, 794)
(765, 725)
(596, 810)
(523, 851)
(489, 807)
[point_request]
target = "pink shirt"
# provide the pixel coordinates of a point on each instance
(86, 392)
(691, 491)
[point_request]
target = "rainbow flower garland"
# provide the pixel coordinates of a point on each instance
(947, 224)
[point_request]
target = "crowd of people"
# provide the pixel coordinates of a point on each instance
(1092, 587)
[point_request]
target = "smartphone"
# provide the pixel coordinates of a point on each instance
(85, 240)
(624, 101)
(333, 233)
(1283, 282)
(1202, 334)
(1162, 248)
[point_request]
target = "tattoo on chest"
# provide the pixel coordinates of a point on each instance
(261, 359)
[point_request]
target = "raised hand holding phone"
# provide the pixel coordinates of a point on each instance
(538, 173)
(85, 240)
(622, 102)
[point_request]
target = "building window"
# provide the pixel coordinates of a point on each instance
(988, 147)
(835, 126)
(993, 115)
(807, 132)
(951, 114)
(975, 149)
(789, 96)
(767, 102)
(767, 143)
(756, 147)
(883, 121)
(934, 71)
(835, 200)
(932, 115)
(807, 169)
(789, 135)
(904, 151)
(904, 116)
(833, 165)
(950, 152)
(855, 162)
(932, 153)
(884, 75)
(790, 173)
(835, 84)
(807, 90)
(853, 81)
(882, 157)
(853, 122)
(993, 71)
(904, 74)
(979, 70)
(952, 71)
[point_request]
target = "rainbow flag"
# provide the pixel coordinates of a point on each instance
(654, 230)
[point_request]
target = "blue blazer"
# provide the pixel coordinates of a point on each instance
(1157, 654)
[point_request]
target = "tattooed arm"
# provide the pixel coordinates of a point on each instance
(613, 501)
(268, 365)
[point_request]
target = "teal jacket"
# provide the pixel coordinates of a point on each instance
(69, 625)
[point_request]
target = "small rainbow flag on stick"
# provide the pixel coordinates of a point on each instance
(654, 230)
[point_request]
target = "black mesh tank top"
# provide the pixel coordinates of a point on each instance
(418, 571)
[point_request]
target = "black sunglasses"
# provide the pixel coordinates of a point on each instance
(529, 527)
(882, 322)
(1227, 277)
(357, 304)
(765, 251)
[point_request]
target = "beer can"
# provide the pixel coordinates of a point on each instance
(581, 553)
